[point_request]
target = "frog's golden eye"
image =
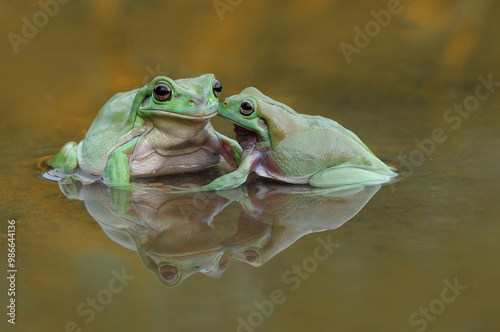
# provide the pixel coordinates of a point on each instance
(246, 107)
(162, 92)
(217, 88)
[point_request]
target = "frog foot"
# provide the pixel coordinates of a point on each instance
(66, 158)
(344, 177)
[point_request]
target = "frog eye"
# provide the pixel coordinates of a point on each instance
(169, 273)
(162, 92)
(246, 107)
(251, 256)
(217, 88)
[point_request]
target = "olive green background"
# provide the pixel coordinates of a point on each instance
(440, 222)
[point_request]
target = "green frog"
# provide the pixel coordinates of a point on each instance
(283, 145)
(162, 128)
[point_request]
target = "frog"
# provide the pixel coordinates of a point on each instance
(162, 128)
(283, 145)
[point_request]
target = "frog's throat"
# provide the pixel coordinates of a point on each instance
(248, 137)
(181, 116)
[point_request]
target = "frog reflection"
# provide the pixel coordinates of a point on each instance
(174, 233)
(276, 215)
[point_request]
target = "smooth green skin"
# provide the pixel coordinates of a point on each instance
(297, 148)
(136, 135)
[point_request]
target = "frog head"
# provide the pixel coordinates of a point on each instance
(191, 98)
(258, 119)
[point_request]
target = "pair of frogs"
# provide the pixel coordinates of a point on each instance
(164, 128)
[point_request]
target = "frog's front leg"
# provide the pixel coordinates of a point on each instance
(66, 159)
(229, 149)
(237, 177)
(118, 168)
(347, 176)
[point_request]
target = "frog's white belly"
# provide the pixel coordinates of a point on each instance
(155, 164)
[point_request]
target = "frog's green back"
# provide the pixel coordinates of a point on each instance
(303, 144)
(324, 143)
(111, 128)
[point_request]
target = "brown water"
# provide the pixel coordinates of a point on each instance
(436, 226)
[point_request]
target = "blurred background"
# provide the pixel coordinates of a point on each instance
(391, 71)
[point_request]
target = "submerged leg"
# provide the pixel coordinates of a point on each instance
(347, 176)
(66, 158)
(117, 170)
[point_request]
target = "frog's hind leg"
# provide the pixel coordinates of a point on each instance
(347, 177)
(66, 159)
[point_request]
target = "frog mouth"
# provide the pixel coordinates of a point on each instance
(238, 126)
(184, 116)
